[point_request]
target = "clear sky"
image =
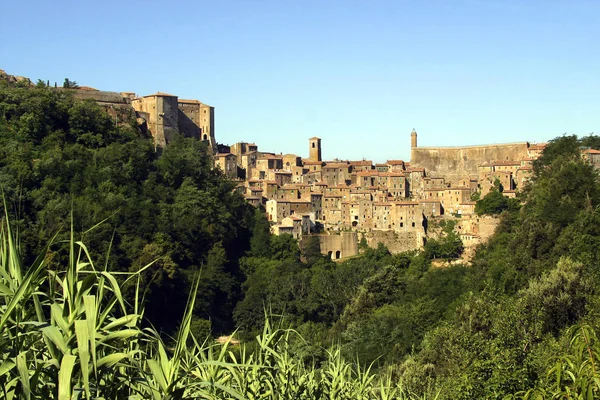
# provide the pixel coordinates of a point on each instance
(358, 74)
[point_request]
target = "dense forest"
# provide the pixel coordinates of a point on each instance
(519, 321)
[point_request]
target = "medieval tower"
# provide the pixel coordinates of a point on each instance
(167, 115)
(314, 153)
(413, 138)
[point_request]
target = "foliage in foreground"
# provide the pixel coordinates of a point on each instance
(71, 334)
(62, 159)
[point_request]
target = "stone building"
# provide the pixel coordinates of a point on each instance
(165, 116)
(227, 163)
(314, 149)
(389, 202)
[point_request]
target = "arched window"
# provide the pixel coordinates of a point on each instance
(338, 254)
(205, 137)
(329, 254)
(313, 145)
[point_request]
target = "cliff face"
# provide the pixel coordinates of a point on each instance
(455, 163)
(14, 79)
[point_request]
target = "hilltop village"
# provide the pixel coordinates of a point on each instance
(395, 202)
(399, 203)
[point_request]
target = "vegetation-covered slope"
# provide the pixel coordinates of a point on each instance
(513, 323)
(60, 156)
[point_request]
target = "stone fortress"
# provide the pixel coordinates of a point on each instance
(343, 201)
(162, 115)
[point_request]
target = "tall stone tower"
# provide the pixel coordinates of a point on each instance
(314, 153)
(161, 114)
(413, 139)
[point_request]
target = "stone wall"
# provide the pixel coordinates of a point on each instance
(98, 96)
(339, 246)
(454, 163)
(396, 242)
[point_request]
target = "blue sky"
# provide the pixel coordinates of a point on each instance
(358, 74)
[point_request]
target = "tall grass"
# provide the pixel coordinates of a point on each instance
(72, 335)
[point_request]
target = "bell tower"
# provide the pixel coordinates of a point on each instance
(413, 138)
(314, 151)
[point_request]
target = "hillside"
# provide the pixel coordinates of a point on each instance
(520, 316)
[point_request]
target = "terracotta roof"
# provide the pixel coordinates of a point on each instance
(160, 94)
(336, 165)
(591, 151)
(507, 163)
(368, 173)
(395, 162)
(188, 101)
(269, 156)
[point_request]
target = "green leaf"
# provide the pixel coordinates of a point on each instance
(127, 320)
(83, 339)
(64, 377)
(24, 373)
(52, 333)
(111, 360)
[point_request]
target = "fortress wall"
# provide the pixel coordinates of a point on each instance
(99, 96)
(396, 242)
(346, 243)
(458, 162)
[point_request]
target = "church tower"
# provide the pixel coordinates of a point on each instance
(413, 139)
(314, 152)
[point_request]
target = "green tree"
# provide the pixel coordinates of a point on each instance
(69, 84)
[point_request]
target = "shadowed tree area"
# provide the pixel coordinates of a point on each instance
(61, 158)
